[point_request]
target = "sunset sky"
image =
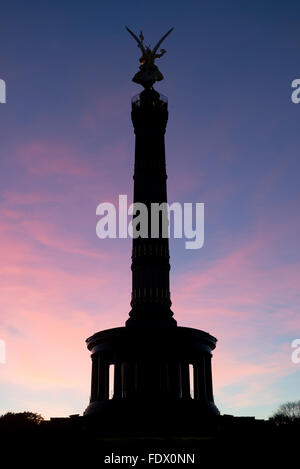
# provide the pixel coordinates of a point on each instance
(67, 144)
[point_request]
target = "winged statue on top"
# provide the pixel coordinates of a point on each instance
(149, 72)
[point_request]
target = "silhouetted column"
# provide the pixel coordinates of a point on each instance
(164, 378)
(208, 373)
(123, 380)
(175, 379)
(103, 379)
(117, 381)
(156, 378)
(151, 378)
(139, 377)
(185, 377)
(94, 378)
(128, 379)
(199, 380)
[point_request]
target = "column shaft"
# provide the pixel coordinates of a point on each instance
(94, 378)
(185, 377)
(103, 379)
(117, 381)
(208, 373)
(199, 380)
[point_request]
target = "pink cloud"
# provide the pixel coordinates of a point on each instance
(46, 157)
(50, 310)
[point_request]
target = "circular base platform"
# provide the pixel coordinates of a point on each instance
(161, 414)
(162, 376)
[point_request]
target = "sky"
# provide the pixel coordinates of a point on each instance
(67, 144)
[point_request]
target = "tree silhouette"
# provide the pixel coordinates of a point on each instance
(287, 413)
(20, 420)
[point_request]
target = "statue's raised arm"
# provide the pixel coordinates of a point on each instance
(149, 72)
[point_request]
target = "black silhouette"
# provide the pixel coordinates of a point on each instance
(149, 72)
(152, 355)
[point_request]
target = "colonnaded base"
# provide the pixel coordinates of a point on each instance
(160, 377)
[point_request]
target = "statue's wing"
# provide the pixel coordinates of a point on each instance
(161, 40)
(140, 44)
